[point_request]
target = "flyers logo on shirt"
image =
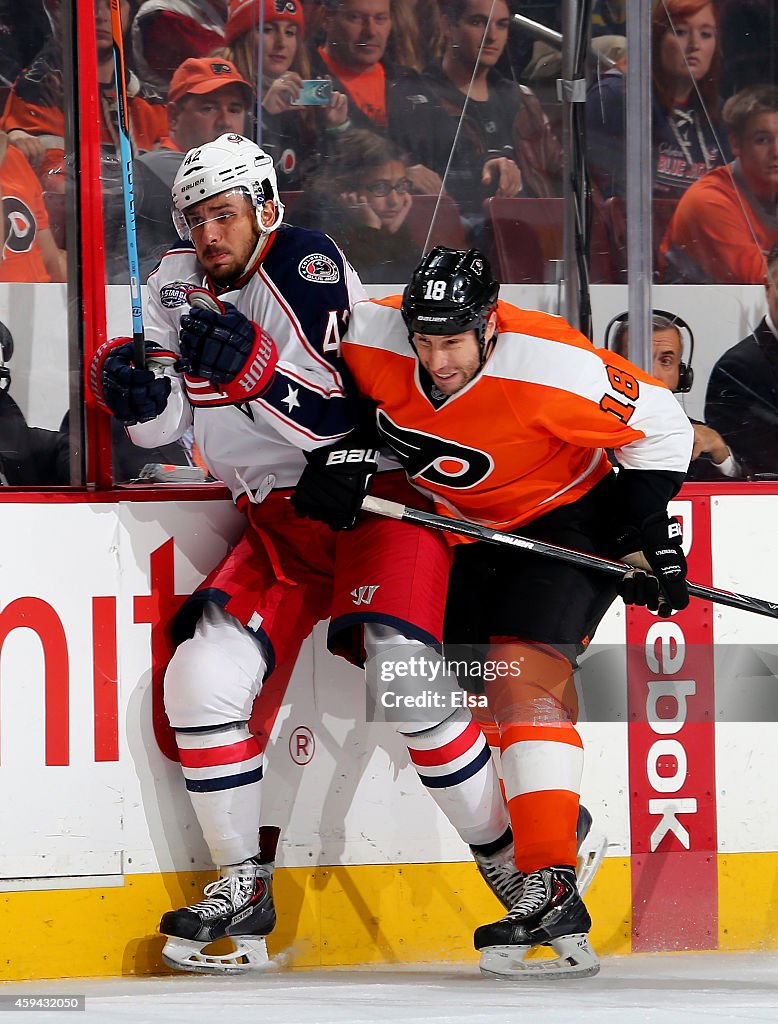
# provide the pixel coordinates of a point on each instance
(288, 161)
(319, 268)
(19, 227)
(435, 460)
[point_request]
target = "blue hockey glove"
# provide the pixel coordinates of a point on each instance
(133, 395)
(221, 345)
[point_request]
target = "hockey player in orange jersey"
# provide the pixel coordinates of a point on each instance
(503, 415)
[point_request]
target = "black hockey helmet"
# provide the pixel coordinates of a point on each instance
(452, 290)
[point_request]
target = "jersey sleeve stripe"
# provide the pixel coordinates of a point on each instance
(316, 415)
(594, 462)
(337, 391)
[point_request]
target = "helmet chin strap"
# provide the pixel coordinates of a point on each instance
(486, 347)
(264, 234)
(261, 242)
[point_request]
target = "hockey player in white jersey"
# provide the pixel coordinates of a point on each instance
(244, 322)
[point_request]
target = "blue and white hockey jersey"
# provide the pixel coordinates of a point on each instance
(300, 292)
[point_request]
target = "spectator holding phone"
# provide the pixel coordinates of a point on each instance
(297, 117)
(382, 94)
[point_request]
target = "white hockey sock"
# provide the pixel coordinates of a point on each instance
(223, 773)
(455, 764)
(451, 756)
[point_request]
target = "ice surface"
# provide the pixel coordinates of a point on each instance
(676, 988)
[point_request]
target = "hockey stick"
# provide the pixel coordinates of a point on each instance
(125, 153)
(465, 528)
(3, 232)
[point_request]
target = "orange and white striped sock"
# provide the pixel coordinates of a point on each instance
(542, 766)
(541, 752)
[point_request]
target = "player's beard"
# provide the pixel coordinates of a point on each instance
(226, 273)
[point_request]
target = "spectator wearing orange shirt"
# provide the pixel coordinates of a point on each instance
(727, 222)
(34, 115)
(207, 98)
(379, 91)
(29, 252)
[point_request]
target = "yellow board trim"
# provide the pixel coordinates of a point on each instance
(342, 916)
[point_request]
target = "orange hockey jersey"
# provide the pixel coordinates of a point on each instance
(529, 432)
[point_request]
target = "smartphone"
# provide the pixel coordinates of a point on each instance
(316, 92)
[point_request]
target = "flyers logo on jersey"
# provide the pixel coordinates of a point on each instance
(20, 228)
(434, 460)
(319, 268)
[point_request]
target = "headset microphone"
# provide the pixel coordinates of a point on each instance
(661, 319)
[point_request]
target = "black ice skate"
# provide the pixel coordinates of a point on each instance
(500, 873)
(550, 912)
(592, 846)
(239, 905)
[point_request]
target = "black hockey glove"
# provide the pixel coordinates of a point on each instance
(133, 395)
(221, 345)
(658, 580)
(333, 484)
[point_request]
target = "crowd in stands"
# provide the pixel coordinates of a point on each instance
(382, 115)
(463, 92)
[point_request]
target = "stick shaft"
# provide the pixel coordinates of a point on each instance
(125, 154)
(465, 528)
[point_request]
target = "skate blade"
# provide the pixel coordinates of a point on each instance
(249, 954)
(593, 848)
(575, 958)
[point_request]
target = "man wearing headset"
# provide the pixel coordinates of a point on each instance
(711, 456)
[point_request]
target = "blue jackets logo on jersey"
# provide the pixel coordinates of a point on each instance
(319, 268)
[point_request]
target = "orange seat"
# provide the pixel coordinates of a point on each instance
(288, 199)
(601, 267)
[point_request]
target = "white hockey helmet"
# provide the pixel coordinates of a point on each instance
(228, 163)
